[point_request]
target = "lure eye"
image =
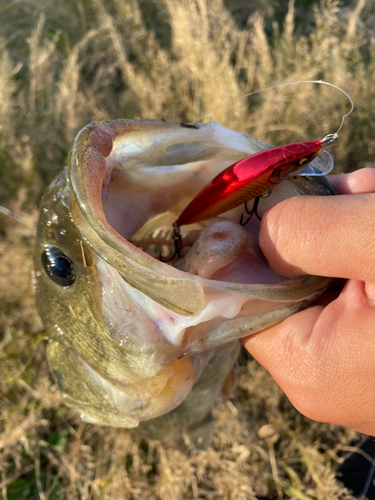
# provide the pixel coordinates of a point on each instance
(303, 161)
(58, 266)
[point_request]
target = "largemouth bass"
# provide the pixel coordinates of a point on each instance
(133, 341)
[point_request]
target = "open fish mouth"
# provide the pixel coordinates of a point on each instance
(133, 338)
(133, 178)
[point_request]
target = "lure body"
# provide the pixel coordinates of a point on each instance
(248, 179)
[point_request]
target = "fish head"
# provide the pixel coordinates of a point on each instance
(130, 335)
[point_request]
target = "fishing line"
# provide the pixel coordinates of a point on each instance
(334, 136)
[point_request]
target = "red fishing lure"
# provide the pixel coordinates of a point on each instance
(254, 176)
(248, 179)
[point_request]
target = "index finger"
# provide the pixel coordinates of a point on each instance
(324, 235)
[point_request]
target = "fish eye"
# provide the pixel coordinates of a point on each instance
(58, 266)
(303, 161)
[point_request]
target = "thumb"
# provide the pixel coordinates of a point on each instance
(327, 236)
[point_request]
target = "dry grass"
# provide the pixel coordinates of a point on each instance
(64, 64)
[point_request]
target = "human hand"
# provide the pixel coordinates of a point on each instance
(323, 357)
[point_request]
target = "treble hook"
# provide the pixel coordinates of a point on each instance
(254, 210)
(177, 240)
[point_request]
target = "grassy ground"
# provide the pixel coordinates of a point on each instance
(64, 63)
